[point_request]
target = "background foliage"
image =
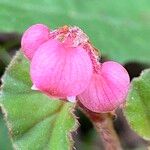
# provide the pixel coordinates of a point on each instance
(119, 28)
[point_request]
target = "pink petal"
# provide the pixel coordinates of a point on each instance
(33, 38)
(60, 71)
(107, 90)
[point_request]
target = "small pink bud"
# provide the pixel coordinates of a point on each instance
(60, 70)
(33, 38)
(71, 99)
(107, 89)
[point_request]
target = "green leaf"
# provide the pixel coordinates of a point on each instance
(137, 111)
(35, 121)
(119, 28)
(5, 142)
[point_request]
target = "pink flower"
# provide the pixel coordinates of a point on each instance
(107, 89)
(33, 38)
(64, 64)
(60, 70)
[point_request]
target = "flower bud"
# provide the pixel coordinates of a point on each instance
(33, 38)
(107, 90)
(60, 70)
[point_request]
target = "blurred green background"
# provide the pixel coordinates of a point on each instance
(120, 29)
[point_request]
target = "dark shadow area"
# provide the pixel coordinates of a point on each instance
(10, 39)
(134, 68)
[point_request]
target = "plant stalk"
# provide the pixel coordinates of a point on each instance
(103, 123)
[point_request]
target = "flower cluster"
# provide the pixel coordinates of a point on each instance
(64, 64)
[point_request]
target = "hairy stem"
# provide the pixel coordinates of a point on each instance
(103, 123)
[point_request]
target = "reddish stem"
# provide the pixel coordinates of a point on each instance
(103, 123)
